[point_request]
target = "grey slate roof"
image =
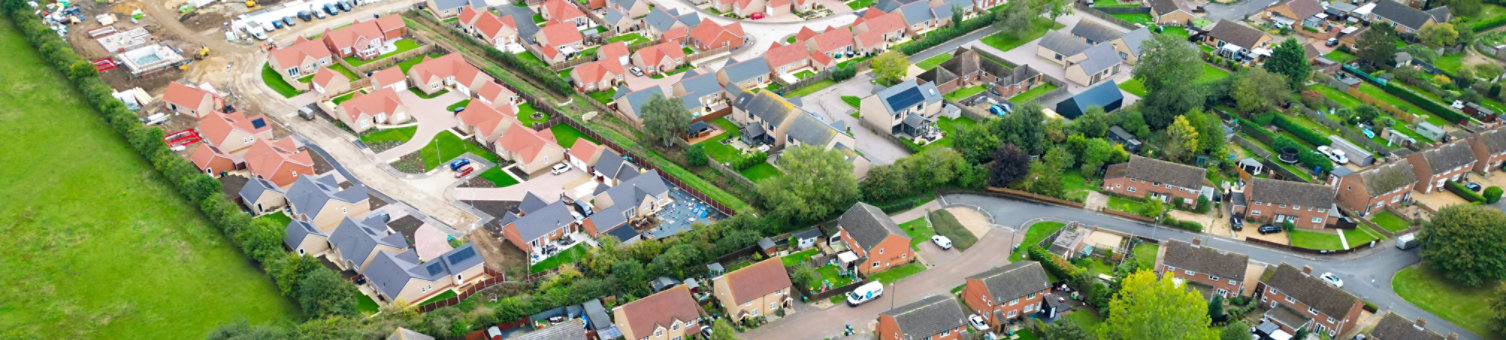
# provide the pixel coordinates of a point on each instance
(639, 98)
(808, 233)
(297, 231)
(531, 202)
(390, 272)
(1289, 192)
(1311, 291)
(916, 12)
(632, 191)
(454, 4)
(1448, 156)
(739, 71)
(766, 106)
(1135, 38)
(811, 131)
(691, 19)
(1165, 6)
(1062, 43)
(611, 165)
(1105, 95)
(544, 220)
(942, 12)
(255, 187)
(907, 94)
(1014, 280)
(1494, 141)
(309, 194)
(1382, 179)
(1100, 57)
(598, 315)
(1205, 260)
(947, 5)
(357, 239)
(1236, 33)
(1440, 14)
(1395, 327)
(523, 17)
(1095, 32)
(697, 86)
(928, 317)
(659, 19)
(625, 4)
(614, 16)
(868, 225)
(1159, 171)
(1401, 14)
(888, 6)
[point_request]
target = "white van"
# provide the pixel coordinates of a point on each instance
(866, 292)
(1406, 241)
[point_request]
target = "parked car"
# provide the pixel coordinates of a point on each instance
(456, 164)
(289, 21)
(756, 16)
(866, 292)
(276, 24)
(332, 9)
(466, 170)
(1457, 105)
(260, 35)
(1332, 42)
(305, 15)
(320, 14)
(1472, 186)
(995, 91)
(458, 109)
(942, 241)
(345, 5)
(977, 322)
(1332, 280)
(1406, 241)
(636, 71)
(559, 168)
(1268, 229)
(1236, 223)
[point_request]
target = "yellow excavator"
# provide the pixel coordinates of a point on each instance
(203, 52)
(250, 3)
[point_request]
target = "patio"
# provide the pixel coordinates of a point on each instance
(680, 215)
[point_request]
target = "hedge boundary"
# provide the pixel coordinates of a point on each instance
(1302, 132)
(1426, 104)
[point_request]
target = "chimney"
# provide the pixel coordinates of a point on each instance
(1307, 270)
(1197, 241)
(1452, 336)
(1420, 323)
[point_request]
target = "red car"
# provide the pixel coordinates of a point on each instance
(756, 16)
(464, 171)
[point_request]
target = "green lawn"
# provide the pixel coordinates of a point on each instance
(447, 294)
(275, 82)
(948, 127)
(1129, 205)
(933, 61)
(1450, 62)
(1211, 74)
(423, 95)
(98, 245)
(400, 135)
(798, 257)
(446, 146)
(829, 275)
(853, 101)
(1428, 289)
(1340, 56)
(630, 38)
(604, 97)
(760, 172)
(1145, 254)
(345, 71)
(1087, 318)
(1034, 234)
(1380, 94)
(498, 177)
(897, 273)
(528, 56)
(458, 105)
(804, 74)
(919, 231)
(963, 93)
(812, 88)
(402, 46)
(1005, 42)
(1076, 186)
(407, 64)
(1096, 266)
(1343, 98)
(366, 305)
(1133, 86)
(947, 225)
(1116, 4)
(859, 4)
(1308, 239)
(1178, 32)
(277, 218)
(565, 135)
(1390, 221)
(715, 149)
(342, 98)
(568, 256)
(1033, 93)
(1358, 237)
(525, 114)
(1142, 19)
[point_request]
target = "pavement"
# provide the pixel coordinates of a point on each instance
(432, 119)
(547, 186)
(827, 103)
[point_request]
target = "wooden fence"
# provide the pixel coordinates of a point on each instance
(1033, 196)
(786, 88)
(493, 279)
(730, 173)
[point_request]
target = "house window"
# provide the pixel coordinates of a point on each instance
(1314, 311)
(1213, 277)
(1189, 272)
(1222, 292)
(1330, 320)
(1131, 189)
(1013, 302)
(1013, 312)
(773, 305)
(946, 332)
(1283, 205)
(1317, 220)
(1255, 213)
(875, 264)
(659, 332)
(1290, 299)
(1296, 207)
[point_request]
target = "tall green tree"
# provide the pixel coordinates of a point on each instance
(1024, 128)
(1054, 8)
(1464, 243)
(886, 183)
(1238, 330)
(1209, 131)
(1438, 35)
(1258, 91)
(1462, 8)
(817, 182)
(1216, 308)
(1377, 46)
(1181, 140)
(665, 119)
(1093, 124)
(323, 293)
(1147, 308)
(1167, 64)
(1015, 19)
(243, 330)
(890, 67)
(977, 143)
(1290, 59)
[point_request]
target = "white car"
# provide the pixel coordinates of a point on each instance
(942, 241)
(977, 322)
(1335, 155)
(559, 168)
(1332, 280)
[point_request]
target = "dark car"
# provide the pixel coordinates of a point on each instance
(345, 5)
(1268, 229)
(1236, 223)
(289, 21)
(457, 164)
(1472, 186)
(331, 9)
(306, 15)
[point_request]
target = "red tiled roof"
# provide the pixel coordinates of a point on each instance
(757, 280)
(485, 118)
(184, 95)
(710, 33)
(877, 25)
(388, 76)
(676, 34)
(561, 10)
(325, 75)
(390, 22)
(659, 310)
(526, 142)
(653, 55)
(832, 39)
(371, 104)
(493, 91)
(559, 34)
(583, 149)
(349, 36)
(779, 3)
(597, 70)
(597, 4)
(449, 65)
(207, 155)
(490, 25)
(614, 51)
(780, 55)
(219, 126)
(468, 14)
(267, 158)
(293, 55)
(805, 33)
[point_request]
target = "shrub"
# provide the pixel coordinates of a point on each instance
(1427, 104)
(1056, 265)
(1190, 226)
(1203, 204)
(1259, 133)
(1465, 193)
(695, 155)
(744, 163)
(1263, 119)
(1493, 194)
(1302, 132)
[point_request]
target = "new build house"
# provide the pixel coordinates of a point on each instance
(321, 202)
(666, 315)
(936, 317)
(759, 289)
(909, 109)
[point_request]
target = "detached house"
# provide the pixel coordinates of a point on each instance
(748, 74)
(1170, 12)
(379, 107)
(709, 35)
(364, 39)
(1300, 300)
(1061, 48)
(875, 30)
(534, 151)
(1209, 271)
(630, 104)
(300, 59)
(763, 117)
(1006, 293)
(391, 77)
(1160, 179)
(484, 122)
(232, 132)
(1396, 327)
(1373, 189)
(402, 276)
(1235, 40)
(632, 8)
(497, 31)
(279, 161)
(604, 73)
(559, 41)
(661, 23)
(498, 96)
(192, 101)
(355, 243)
(328, 83)
(261, 196)
(633, 197)
(1405, 18)
(1289, 12)
(321, 202)
(701, 93)
(874, 238)
(668, 314)
(787, 60)
(1448, 162)
(936, 317)
(1305, 205)
(565, 12)
(759, 289)
(742, 8)
(538, 227)
(1490, 149)
(659, 58)
(449, 71)
(908, 109)
(213, 161)
(919, 18)
(584, 154)
(1101, 63)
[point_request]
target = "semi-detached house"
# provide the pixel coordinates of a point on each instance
(1304, 205)
(1160, 179)
(936, 317)
(876, 240)
(757, 290)
(1211, 272)
(1006, 293)
(1299, 300)
(1375, 188)
(1490, 149)
(1436, 166)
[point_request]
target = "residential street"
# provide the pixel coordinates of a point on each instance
(761, 33)
(827, 103)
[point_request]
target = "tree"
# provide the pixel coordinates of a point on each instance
(1066, 329)
(817, 183)
(1235, 331)
(1147, 308)
(886, 183)
(1093, 124)
(1054, 8)
(1015, 19)
(1377, 46)
(243, 330)
(1094, 155)
(957, 15)
(1056, 159)
(1366, 113)
(665, 119)
(1181, 140)
(1463, 8)
(1259, 91)
(1492, 194)
(1216, 308)
(323, 293)
(805, 275)
(1166, 64)
(1463, 242)
(1024, 128)
(1498, 305)
(695, 155)
(1133, 122)
(932, 168)
(722, 330)
(1438, 35)
(890, 67)
(977, 143)
(1010, 165)
(1152, 208)
(1209, 131)
(1290, 59)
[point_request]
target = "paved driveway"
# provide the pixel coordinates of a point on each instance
(432, 119)
(828, 104)
(549, 186)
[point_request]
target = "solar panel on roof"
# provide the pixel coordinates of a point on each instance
(905, 98)
(462, 255)
(435, 269)
(259, 123)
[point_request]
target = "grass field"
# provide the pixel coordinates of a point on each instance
(1211, 74)
(1033, 93)
(812, 88)
(1004, 42)
(947, 225)
(275, 82)
(1087, 318)
(498, 177)
(525, 114)
(760, 172)
(715, 149)
(1142, 19)
(1428, 289)
(1318, 240)
(919, 231)
(98, 245)
(1351, 102)
(1390, 221)
(1133, 86)
(1034, 235)
(1075, 186)
(897, 273)
(933, 61)
(566, 135)
(604, 97)
(1360, 236)
(963, 93)
(400, 135)
(447, 146)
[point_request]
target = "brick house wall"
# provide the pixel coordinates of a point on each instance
(1301, 216)
(1354, 196)
(1427, 182)
(510, 232)
(1131, 187)
(975, 294)
(891, 252)
(1340, 324)
(888, 329)
(1229, 286)
(761, 306)
(1491, 162)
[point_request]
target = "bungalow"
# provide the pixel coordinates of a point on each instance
(565, 12)
(701, 93)
(537, 228)
(1407, 19)
(659, 21)
(1170, 12)
(391, 77)
(1305, 205)
(213, 161)
(936, 317)
(498, 96)
(809, 130)
(584, 154)
(1435, 166)
(1235, 40)
(1211, 272)
(1094, 33)
(619, 22)
(1128, 45)
(1490, 149)
(964, 69)
(559, 42)
(192, 101)
(630, 104)
(632, 8)
(918, 17)
(833, 42)
(1061, 48)
(232, 132)
(611, 170)
(878, 243)
(765, 118)
(875, 30)
(1288, 12)
(497, 31)
(599, 75)
(379, 107)
(635, 197)
(1105, 95)
(759, 289)
(321, 202)
(668, 314)
(364, 38)
(1375, 188)
(1300, 300)
(484, 122)
(279, 161)
(1007, 293)
(328, 83)
(908, 109)
(1101, 63)
(1395, 327)
(445, 9)
(354, 244)
(449, 71)
(392, 27)
(299, 59)
(748, 74)
(659, 58)
(709, 35)
(534, 151)
(395, 276)
(261, 197)
(1162, 180)
(787, 60)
